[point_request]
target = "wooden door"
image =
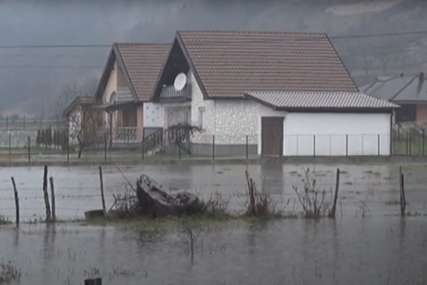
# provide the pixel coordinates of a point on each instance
(272, 136)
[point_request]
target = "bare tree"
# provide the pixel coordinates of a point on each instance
(83, 125)
(71, 91)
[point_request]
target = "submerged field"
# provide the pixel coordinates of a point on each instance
(373, 250)
(368, 243)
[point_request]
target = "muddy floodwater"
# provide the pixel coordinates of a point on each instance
(368, 243)
(351, 250)
(365, 188)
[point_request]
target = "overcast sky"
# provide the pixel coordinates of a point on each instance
(30, 79)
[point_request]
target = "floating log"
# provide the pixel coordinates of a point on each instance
(154, 202)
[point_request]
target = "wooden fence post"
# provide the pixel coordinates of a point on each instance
(46, 195)
(52, 192)
(334, 205)
(101, 182)
(15, 192)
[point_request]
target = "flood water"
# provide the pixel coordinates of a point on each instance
(368, 243)
(365, 189)
(351, 250)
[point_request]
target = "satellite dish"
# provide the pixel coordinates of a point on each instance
(180, 81)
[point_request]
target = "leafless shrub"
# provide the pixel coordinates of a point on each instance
(9, 273)
(260, 203)
(311, 198)
(216, 205)
(125, 204)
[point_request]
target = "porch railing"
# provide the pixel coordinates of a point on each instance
(126, 135)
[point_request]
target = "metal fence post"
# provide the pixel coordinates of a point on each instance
(213, 147)
(247, 147)
(378, 148)
(423, 140)
(314, 145)
(143, 144)
(67, 140)
(407, 144)
(105, 146)
(346, 145)
(10, 147)
(29, 148)
(363, 143)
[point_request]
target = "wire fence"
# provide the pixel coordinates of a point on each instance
(368, 190)
(53, 144)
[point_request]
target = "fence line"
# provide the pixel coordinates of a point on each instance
(54, 144)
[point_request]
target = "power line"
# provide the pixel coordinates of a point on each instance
(353, 36)
(391, 34)
(55, 46)
(50, 66)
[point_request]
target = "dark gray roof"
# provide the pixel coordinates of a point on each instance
(400, 89)
(306, 100)
(227, 64)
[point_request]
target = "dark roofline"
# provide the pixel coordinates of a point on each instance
(321, 109)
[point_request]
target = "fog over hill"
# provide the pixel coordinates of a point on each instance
(31, 79)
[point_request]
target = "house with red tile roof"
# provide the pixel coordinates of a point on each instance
(236, 93)
(126, 83)
(266, 93)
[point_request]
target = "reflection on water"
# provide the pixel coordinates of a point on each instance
(372, 250)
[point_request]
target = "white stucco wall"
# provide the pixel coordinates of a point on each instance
(305, 134)
(328, 134)
(153, 115)
(229, 120)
